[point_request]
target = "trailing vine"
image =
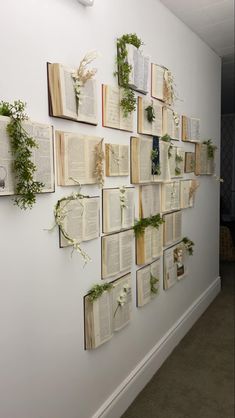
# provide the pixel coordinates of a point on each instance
(22, 145)
(97, 291)
(150, 113)
(188, 245)
(60, 213)
(155, 221)
(128, 101)
(210, 149)
(153, 282)
(99, 166)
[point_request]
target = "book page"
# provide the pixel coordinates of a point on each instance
(128, 213)
(122, 314)
(87, 108)
(111, 210)
(157, 88)
(169, 268)
(148, 244)
(175, 195)
(74, 158)
(7, 178)
(145, 152)
(168, 229)
(112, 159)
(110, 255)
(73, 222)
(157, 241)
(185, 201)
(157, 122)
(126, 249)
(155, 270)
(177, 225)
(90, 157)
(126, 122)
(189, 162)
(91, 216)
(141, 66)
(195, 129)
(132, 57)
(42, 156)
(69, 102)
(124, 160)
(102, 328)
(156, 199)
(172, 162)
(111, 106)
(143, 286)
(164, 162)
(146, 201)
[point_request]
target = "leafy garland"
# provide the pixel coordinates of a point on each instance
(155, 221)
(22, 145)
(60, 213)
(97, 291)
(156, 168)
(150, 113)
(128, 101)
(99, 166)
(153, 282)
(210, 149)
(188, 245)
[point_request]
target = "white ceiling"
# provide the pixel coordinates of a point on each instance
(213, 21)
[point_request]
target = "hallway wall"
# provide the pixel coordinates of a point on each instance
(44, 370)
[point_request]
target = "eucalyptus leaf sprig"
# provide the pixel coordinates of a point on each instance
(22, 145)
(98, 289)
(155, 221)
(188, 245)
(210, 149)
(128, 101)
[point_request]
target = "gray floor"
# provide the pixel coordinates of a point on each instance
(197, 380)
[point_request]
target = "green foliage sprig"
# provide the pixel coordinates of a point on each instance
(60, 213)
(167, 138)
(155, 221)
(128, 101)
(22, 145)
(178, 158)
(150, 113)
(210, 149)
(153, 282)
(177, 171)
(156, 168)
(97, 290)
(188, 244)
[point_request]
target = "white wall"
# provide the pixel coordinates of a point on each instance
(44, 370)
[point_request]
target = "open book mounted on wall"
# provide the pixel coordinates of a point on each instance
(176, 162)
(149, 200)
(63, 101)
(148, 282)
(118, 209)
(205, 161)
(116, 160)
(149, 160)
(170, 123)
(81, 220)
(116, 253)
(161, 84)
(170, 196)
(172, 228)
(149, 245)
(138, 77)
(112, 113)
(190, 129)
(107, 313)
(42, 156)
(174, 268)
(77, 158)
(149, 117)
(188, 190)
(189, 162)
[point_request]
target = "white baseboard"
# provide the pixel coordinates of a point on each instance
(127, 391)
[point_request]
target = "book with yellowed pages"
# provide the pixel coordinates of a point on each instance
(149, 200)
(146, 127)
(161, 85)
(116, 160)
(189, 162)
(42, 156)
(174, 267)
(149, 160)
(188, 190)
(118, 209)
(190, 129)
(170, 123)
(148, 282)
(63, 102)
(170, 196)
(116, 253)
(105, 314)
(76, 158)
(204, 163)
(149, 245)
(81, 220)
(172, 228)
(112, 113)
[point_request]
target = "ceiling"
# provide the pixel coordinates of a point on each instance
(213, 21)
